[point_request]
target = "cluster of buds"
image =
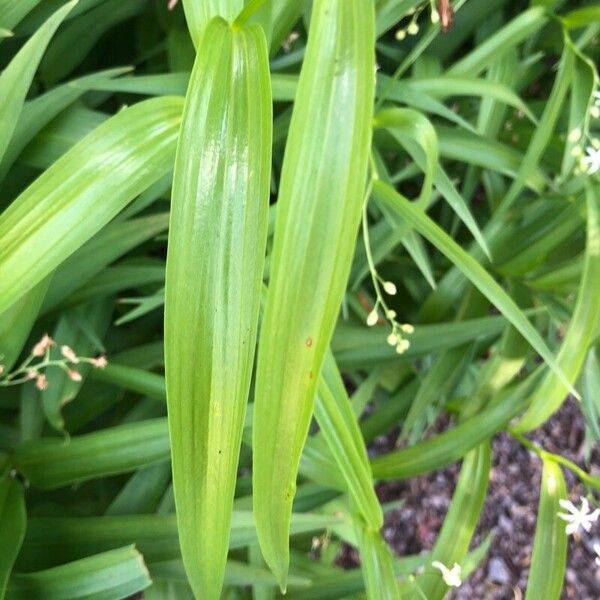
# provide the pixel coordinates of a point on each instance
(413, 27)
(396, 337)
(31, 370)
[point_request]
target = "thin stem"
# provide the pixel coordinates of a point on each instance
(560, 460)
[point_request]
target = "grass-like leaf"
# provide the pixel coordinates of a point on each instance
(549, 557)
(12, 526)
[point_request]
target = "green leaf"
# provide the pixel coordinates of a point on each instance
(376, 565)
(571, 357)
(12, 12)
(319, 209)
(512, 34)
(17, 76)
(581, 17)
(53, 540)
(549, 557)
(214, 274)
(448, 447)
(17, 321)
(474, 271)
(79, 36)
(199, 13)
(339, 427)
(61, 210)
(114, 574)
(13, 521)
(50, 463)
(461, 521)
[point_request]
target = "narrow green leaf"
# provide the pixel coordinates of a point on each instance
(549, 557)
(13, 522)
(61, 210)
(79, 36)
(115, 574)
(17, 76)
(17, 321)
(53, 540)
(12, 12)
(475, 272)
(339, 427)
(450, 446)
(580, 17)
(377, 565)
(54, 462)
(571, 357)
(512, 34)
(215, 264)
(318, 213)
(461, 521)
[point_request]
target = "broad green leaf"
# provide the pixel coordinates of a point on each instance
(549, 556)
(54, 462)
(571, 357)
(17, 76)
(114, 574)
(215, 264)
(319, 209)
(61, 210)
(13, 522)
(475, 272)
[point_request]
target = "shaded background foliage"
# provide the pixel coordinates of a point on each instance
(487, 128)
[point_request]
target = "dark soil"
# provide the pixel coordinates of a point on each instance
(509, 513)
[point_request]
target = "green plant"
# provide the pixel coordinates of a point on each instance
(354, 222)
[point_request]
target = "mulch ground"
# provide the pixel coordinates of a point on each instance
(509, 513)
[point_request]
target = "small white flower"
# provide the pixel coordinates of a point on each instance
(592, 160)
(578, 517)
(74, 375)
(407, 328)
(451, 576)
(389, 288)
(373, 318)
(400, 34)
(40, 348)
(392, 339)
(435, 16)
(597, 551)
(391, 314)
